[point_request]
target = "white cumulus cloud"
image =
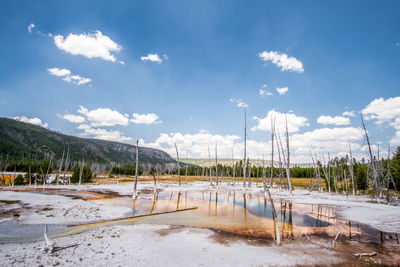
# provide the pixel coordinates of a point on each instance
(149, 118)
(285, 62)
(152, 58)
(382, 110)
(262, 92)
(90, 45)
(349, 114)
(324, 140)
(104, 117)
(35, 121)
(337, 120)
(66, 74)
(385, 111)
(103, 134)
(239, 103)
(30, 27)
(59, 72)
(73, 118)
(197, 144)
(294, 122)
(282, 90)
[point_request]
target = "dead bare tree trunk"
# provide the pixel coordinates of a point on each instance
(209, 164)
(280, 162)
(80, 173)
(288, 159)
(66, 166)
(158, 174)
(327, 174)
(233, 169)
(29, 175)
(244, 157)
(216, 163)
(134, 195)
(47, 173)
(186, 166)
(155, 183)
(179, 169)
(264, 176)
(272, 150)
(36, 176)
(352, 171)
(60, 168)
(372, 162)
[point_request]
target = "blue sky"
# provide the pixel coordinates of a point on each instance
(183, 66)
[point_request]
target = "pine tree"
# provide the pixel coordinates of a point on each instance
(395, 168)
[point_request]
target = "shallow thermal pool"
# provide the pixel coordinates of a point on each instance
(227, 212)
(245, 215)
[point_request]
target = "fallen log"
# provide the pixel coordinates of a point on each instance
(130, 218)
(359, 255)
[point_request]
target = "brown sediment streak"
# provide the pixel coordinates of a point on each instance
(80, 227)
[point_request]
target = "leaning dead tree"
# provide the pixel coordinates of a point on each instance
(288, 159)
(372, 162)
(134, 195)
(177, 162)
(272, 150)
(244, 157)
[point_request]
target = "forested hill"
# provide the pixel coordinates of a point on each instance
(20, 140)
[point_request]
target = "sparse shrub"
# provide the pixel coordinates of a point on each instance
(19, 180)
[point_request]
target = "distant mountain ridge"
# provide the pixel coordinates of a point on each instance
(20, 140)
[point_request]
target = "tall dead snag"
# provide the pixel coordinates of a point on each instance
(36, 176)
(47, 173)
(244, 157)
(134, 195)
(158, 174)
(352, 171)
(186, 166)
(80, 173)
(372, 162)
(389, 177)
(216, 163)
(60, 168)
(288, 159)
(327, 174)
(177, 162)
(29, 175)
(280, 163)
(272, 150)
(66, 166)
(233, 169)
(155, 183)
(315, 168)
(209, 164)
(264, 176)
